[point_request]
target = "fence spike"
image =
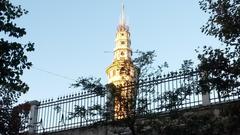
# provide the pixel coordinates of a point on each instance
(180, 72)
(176, 73)
(172, 74)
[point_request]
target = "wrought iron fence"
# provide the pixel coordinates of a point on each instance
(69, 112)
(168, 92)
(161, 94)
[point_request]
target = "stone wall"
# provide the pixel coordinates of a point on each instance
(93, 130)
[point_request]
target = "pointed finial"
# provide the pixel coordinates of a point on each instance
(122, 19)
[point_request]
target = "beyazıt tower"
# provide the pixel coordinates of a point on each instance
(122, 70)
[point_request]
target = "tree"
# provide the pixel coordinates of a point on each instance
(13, 61)
(224, 20)
(145, 68)
(220, 68)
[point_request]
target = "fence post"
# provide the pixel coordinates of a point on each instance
(33, 116)
(206, 99)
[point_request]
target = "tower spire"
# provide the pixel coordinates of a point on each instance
(122, 21)
(122, 71)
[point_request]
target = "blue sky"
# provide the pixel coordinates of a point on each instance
(71, 37)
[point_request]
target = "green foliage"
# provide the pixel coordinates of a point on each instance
(14, 119)
(144, 64)
(171, 100)
(13, 55)
(85, 113)
(19, 118)
(13, 61)
(90, 84)
(187, 66)
(220, 68)
(224, 20)
(79, 111)
(96, 110)
(219, 72)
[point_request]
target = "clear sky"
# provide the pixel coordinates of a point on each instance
(71, 36)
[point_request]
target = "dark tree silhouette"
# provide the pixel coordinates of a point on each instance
(224, 20)
(13, 61)
(220, 68)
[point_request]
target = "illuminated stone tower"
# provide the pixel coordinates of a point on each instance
(122, 70)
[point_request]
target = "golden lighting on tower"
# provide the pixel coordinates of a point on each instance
(122, 70)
